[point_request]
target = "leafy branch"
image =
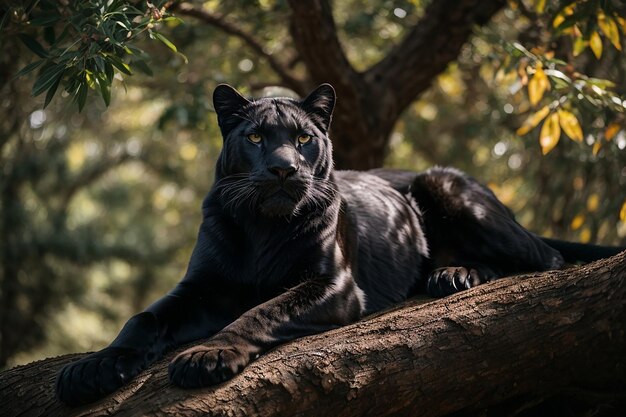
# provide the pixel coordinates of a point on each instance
(560, 95)
(86, 42)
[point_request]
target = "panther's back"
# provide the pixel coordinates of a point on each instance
(391, 243)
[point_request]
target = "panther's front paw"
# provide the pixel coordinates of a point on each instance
(98, 374)
(207, 364)
(446, 281)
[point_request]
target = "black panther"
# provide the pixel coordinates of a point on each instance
(290, 247)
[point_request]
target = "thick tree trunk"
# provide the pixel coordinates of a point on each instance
(536, 336)
(370, 102)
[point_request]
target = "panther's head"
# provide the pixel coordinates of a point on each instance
(277, 157)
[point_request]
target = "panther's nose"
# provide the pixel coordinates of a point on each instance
(283, 171)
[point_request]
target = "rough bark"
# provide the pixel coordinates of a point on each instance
(370, 102)
(534, 335)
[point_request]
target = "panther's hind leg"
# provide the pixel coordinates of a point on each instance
(468, 228)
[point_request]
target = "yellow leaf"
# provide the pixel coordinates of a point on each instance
(611, 131)
(558, 19)
(596, 148)
(567, 11)
(622, 212)
(533, 120)
(537, 86)
(609, 28)
(622, 23)
(585, 235)
(577, 221)
(540, 6)
(579, 46)
(550, 133)
(569, 124)
(595, 43)
(593, 202)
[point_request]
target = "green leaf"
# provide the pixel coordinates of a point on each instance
(107, 32)
(28, 68)
(117, 22)
(134, 50)
(48, 77)
(81, 95)
(66, 57)
(99, 64)
(105, 90)
(109, 72)
(165, 41)
(45, 20)
(51, 91)
(33, 45)
(115, 5)
(48, 35)
(172, 19)
(604, 84)
(119, 64)
(184, 57)
(63, 34)
(142, 66)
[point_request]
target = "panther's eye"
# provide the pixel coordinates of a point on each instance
(254, 138)
(303, 139)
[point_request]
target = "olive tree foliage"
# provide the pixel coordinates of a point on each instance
(103, 171)
(81, 44)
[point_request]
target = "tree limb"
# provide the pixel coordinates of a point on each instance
(232, 29)
(427, 49)
(314, 33)
(536, 334)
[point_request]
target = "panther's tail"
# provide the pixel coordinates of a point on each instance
(574, 252)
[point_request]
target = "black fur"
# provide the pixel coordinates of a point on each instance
(288, 247)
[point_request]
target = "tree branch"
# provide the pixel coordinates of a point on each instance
(232, 29)
(314, 33)
(427, 49)
(534, 335)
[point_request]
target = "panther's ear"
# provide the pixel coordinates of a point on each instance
(320, 104)
(227, 101)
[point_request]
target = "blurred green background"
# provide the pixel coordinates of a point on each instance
(99, 209)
